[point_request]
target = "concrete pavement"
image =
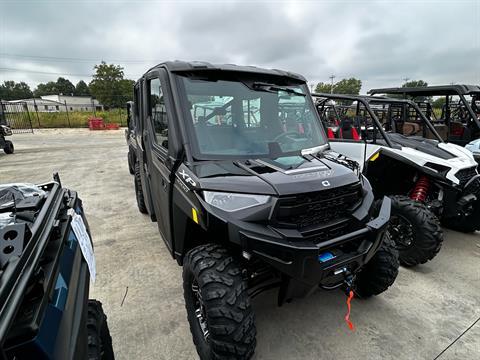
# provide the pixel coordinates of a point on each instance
(426, 309)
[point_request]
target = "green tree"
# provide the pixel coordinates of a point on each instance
(10, 90)
(323, 87)
(438, 103)
(64, 86)
(348, 86)
(345, 86)
(81, 89)
(50, 88)
(415, 83)
(109, 86)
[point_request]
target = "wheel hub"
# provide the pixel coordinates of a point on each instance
(200, 310)
(401, 231)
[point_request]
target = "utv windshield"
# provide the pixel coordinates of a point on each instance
(248, 119)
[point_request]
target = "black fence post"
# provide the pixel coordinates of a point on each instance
(35, 107)
(66, 109)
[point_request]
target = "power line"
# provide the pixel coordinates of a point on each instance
(55, 73)
(75, 59)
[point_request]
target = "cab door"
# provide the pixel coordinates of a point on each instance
(158, 165)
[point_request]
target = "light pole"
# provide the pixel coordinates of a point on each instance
(331, 78)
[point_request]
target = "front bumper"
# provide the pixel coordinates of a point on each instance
(300, 260)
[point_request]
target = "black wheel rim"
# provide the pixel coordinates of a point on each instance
(401, 230)
(200, 310)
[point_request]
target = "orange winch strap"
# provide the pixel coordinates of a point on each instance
(347, 317)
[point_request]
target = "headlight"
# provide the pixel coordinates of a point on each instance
(234, 202)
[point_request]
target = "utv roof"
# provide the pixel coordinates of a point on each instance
(188, 66)
(430, 90)
(366, 98)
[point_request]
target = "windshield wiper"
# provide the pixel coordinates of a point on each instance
(274, 88)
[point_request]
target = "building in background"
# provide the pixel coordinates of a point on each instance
(60, 103)
(76, 103)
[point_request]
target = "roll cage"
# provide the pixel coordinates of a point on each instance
(444, 91)
(369, 102)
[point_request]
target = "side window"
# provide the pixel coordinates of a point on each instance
(136, 104)
(158, 113)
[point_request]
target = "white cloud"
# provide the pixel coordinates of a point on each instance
(379, 42)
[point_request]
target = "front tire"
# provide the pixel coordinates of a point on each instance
(218, 306)
(9, 148)
(138, 190)
(99, 339)
(465, 224)
(380, 272)
(415, 230)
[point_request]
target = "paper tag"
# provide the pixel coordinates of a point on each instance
(83, 238)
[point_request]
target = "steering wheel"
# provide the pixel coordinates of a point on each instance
(286, 135)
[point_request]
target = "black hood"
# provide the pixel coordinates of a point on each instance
(428, 146)
(282, 176)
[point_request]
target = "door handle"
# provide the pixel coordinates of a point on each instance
(164, 184)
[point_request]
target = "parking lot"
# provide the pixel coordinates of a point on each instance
(140, 285)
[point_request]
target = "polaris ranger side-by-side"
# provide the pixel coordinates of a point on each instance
(234, 166)
(459, 121)
(404, 157)
(45, 312)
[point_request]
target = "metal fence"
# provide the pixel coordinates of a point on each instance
(16, 116)
(73, 115)
(23, 116)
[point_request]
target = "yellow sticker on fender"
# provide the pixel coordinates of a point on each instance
(194, 215)
(375, 157)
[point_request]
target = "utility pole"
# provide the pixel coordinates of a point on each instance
(406, 79)
(331, 78)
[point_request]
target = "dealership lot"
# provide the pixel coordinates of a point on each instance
(141, 287)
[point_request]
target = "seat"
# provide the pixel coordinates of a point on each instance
(347, 131)
(410, 128)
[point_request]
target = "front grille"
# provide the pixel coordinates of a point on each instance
(318, 208)
(465, 175)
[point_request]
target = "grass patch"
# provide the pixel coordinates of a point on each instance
(76, 119)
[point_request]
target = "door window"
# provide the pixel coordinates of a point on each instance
(158, 113)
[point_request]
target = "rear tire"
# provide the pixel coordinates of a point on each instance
(138, 190)
(99, 339)
(380, 272)
(9, 148)
(415, 230)
(131, 161)
(218, 306)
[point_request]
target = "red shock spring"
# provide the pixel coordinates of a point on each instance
(420, 190)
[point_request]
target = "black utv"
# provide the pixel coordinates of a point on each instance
(234, 165)
(45, 311)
